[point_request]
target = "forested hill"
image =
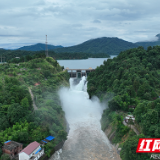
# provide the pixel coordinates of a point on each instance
(133, 77)
(28, 55)
(151, 43)
(19, 121)
(39, 47)
(111, 46)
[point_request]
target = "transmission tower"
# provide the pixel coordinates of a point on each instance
(46, 47)
(2, 59)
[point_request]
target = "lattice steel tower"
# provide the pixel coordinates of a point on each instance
(46, 47)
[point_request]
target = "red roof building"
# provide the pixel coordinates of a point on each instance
(36, 84)
(32, 152)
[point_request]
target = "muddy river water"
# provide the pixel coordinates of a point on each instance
(86, 140)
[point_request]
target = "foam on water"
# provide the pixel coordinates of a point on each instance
(85, 138)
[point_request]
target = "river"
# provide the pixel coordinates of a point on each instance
(86, 140)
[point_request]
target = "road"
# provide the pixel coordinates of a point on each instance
(32, 96)
(132, 127)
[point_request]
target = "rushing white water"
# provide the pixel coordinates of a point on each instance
(85, 140)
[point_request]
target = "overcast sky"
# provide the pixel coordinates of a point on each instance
(70, 22)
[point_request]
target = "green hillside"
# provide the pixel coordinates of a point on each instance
(132, 79)
(19, 120)
(111, 46)
(28, 55)
(39, 47)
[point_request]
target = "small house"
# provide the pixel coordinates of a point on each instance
(132, 106)
(32, 152)
(36, 84)
(12, 148)
(47, 139)
(129, 117)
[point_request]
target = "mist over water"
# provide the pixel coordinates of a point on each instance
(78, 107)
(85, 140)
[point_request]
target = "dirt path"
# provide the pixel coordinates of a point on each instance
(132, 127)
(32, 96)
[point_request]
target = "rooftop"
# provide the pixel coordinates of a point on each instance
(7, 141)
(12, 145)
(49, 138)
(30, 148)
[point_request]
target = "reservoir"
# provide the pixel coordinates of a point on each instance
(83, 63)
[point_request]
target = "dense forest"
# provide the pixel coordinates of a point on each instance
(130, 79)
(19, 121)
(10, 55)
(38, 47)
(111, 46)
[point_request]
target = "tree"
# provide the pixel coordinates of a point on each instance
(25, 103)
(141, 91)
(113, 105)
(147, 96)
(5, 157)
(16, 113)
(139, 111)
(0, 151)
(23, 137)
(3, 122)
(62, 134)
(128, 151)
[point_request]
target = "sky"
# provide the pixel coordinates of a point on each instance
(71, 22)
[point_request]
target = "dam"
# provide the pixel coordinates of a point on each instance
(78, 73)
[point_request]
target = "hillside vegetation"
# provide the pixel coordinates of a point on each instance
(28, 55)
(18, 119)
(111, 46)
(39, 47)
(132, 79)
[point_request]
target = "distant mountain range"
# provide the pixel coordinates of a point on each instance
(99, 45)
(146, 44)
(38, 47)
(111, 46)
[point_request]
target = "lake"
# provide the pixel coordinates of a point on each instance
(83, 63)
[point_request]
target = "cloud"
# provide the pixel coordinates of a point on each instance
(96, 21)
(73, 22)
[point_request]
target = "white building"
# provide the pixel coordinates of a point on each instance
(129, 117)
(32, 152)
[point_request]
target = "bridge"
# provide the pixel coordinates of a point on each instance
(78, 73)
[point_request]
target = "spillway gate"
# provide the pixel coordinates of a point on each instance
(78, 73)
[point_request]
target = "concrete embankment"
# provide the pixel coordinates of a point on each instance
(110, 133)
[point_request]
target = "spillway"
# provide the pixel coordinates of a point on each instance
(86, 140)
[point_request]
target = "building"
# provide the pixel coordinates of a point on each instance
(12, 148)
(47, 139)
(132, 106)
(32, 152)
(36, 84)
(129, 117)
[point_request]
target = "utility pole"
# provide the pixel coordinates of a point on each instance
(46, 47)
(2, 58)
